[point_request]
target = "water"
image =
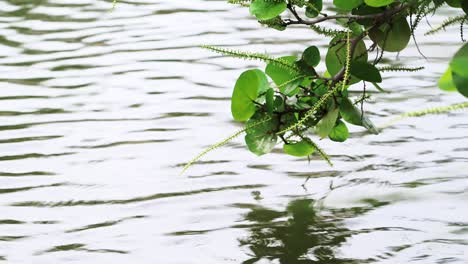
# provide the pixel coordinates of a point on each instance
(99, 111)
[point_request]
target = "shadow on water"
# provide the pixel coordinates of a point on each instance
(302, 233)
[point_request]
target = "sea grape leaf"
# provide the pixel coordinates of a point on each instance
(378, 3)
(340, 132)
(347, 5)
(311, 56)
(313, 9)
(446, 81)
(248, 86)
(326, 124)
(336, 55)
(302, 148)
(282, 78)
(392, 38)
(353, 115)
(267, 9)
(261, 135)
(365, 71)
(270, 100)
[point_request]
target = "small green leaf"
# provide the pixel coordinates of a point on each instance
(248, 86)
(446, 82)
(311, 56)
(267, 9)
(353, 115)
(340, 132)
(365, 71)
(336, 55)
(313, 8)
(378, 3)
(270, 100)
(302, 148)
(262, 138)
(347, 5)
(326, 124)
(461, 83)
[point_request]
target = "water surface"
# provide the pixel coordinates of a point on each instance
(99, 110)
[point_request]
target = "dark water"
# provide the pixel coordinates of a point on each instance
(99, 110)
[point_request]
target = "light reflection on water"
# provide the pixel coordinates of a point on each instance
(99, 111)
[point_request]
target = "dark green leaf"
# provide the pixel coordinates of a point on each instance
(347, 5)
(270, 100)
(394, 37)
(311, 56)
(314, 7)
(365, 71)
(336, 55)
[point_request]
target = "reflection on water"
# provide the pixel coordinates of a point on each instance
(99, 111)
(297, 235)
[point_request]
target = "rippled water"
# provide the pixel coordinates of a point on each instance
(99, 110)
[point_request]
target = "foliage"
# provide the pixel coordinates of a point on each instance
(297, 101)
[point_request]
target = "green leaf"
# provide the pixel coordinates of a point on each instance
(262, 138)
(267, 9)
(365, 71)
(461, 83)
(446, 82)
(347, 5)
(248, 86)
(393, 38)
(340, 132)
(464, 6)
(378, 3)
(302, 148)
(454, 3)
(326, 124)
(311, 56)
(353, 115)
(336, 55)
(313, 9)
(270, 100)
(282, 78)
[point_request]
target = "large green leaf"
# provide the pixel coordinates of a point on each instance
(270, 100)
(353, 115)
(394, 37)
(248, 86)
(267, 9)
(302, 148)
(378, 3)
(326, 124)
(261, 135)
(365, 72)
(336, 55)
(340, 132)
(347, 4)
